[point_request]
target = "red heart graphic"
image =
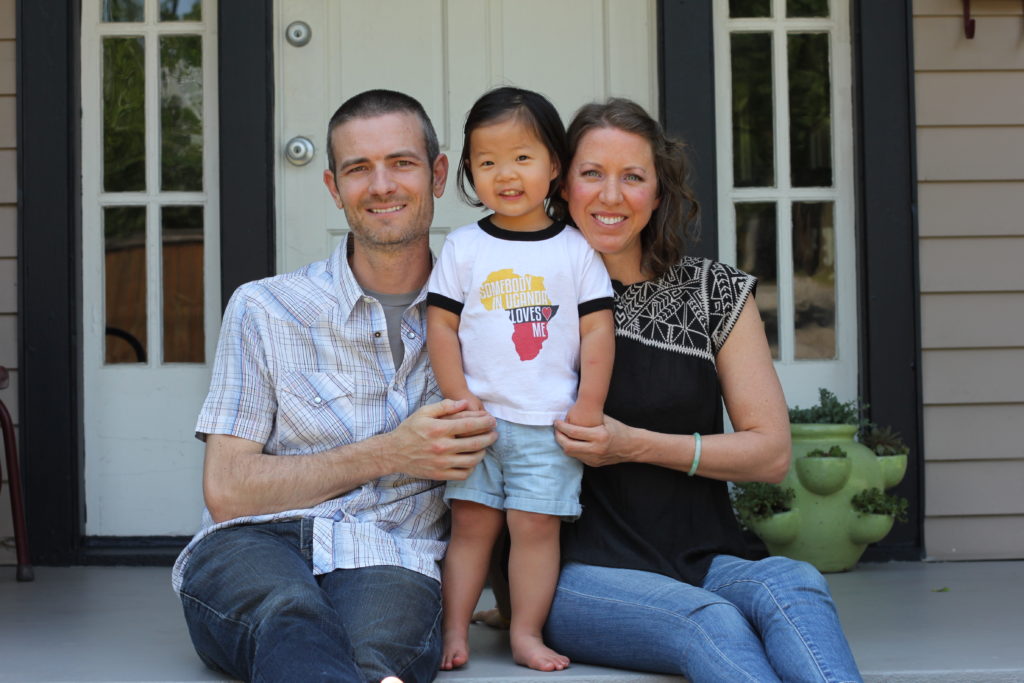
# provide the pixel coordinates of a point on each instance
(546, 312)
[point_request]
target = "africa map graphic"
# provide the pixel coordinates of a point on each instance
(529, 308)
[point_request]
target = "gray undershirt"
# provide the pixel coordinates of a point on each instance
(394, 306)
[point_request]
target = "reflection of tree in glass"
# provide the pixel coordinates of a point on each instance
(123, 10)
(753, 136)
(810, 120)
(181, 106)
(750, 8)
(124, 115)
(124, 226)
(181, 10)
(806, 8)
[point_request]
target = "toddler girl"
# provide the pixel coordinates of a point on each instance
(519, 323)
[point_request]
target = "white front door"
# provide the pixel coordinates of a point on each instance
(445, 53)
(150, 276)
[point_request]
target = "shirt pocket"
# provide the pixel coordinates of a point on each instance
(315, 411)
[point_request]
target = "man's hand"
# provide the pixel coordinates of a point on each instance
(441, 441)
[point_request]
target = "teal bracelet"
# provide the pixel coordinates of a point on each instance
(696, 455)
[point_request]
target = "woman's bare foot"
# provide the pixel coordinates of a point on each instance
(455, 652)
(492, 617)
(530, 650)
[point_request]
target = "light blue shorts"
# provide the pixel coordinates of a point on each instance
(525, 469)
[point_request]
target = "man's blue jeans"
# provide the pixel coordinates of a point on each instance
(750, 621)
(256, 611)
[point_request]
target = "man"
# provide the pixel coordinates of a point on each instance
(325, 450)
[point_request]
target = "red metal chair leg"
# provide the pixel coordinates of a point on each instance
(25, 571)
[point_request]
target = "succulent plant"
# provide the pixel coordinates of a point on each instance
(756, 500)
(883, 440)
(874, 501)
(834, 452)
(829, 410)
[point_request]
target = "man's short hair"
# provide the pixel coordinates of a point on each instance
(377, 103)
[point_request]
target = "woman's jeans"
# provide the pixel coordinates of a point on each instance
(256, 611)
(750, 621)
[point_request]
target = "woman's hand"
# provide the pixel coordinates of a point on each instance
(605, 444)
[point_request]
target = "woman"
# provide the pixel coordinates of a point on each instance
(654, 575)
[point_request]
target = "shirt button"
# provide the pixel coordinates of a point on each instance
(368, 299)
(376, 334)
(412, 335)
(318, 400)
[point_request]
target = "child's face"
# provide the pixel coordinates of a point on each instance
(511, 170)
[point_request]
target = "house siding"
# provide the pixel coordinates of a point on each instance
(970, 140)
(8, 250)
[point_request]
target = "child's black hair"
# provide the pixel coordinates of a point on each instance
(534, 110)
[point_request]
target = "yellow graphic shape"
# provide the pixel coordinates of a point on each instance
(504, 289)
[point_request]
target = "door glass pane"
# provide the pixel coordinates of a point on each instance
(750, 8)
(814, 280)
(810, 115)
(124, 10)
(124, 115)
(753, 141)
(181, 113)
(181, 10)
(806, 8)
(182, 240)
(757, 254)
(124, 233)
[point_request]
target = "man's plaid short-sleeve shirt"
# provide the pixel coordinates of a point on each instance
(303, 365)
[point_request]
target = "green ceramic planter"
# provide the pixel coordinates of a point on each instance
(893, 468)
(780, 528)
(867, 528)
(830, 535)
(823, 475)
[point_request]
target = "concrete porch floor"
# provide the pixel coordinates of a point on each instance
(919, 621)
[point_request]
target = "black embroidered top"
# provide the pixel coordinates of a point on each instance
(636, 516)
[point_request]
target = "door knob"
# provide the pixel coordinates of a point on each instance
(299, 151)
(298, 33)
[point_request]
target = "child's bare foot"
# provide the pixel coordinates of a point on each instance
(530, 650)
(455, 652)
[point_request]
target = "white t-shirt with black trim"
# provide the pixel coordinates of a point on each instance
(520, 296)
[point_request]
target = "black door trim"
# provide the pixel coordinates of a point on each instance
(886, 203)
(49, 250)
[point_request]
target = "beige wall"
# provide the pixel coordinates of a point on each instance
(8, 251)
(970, 137)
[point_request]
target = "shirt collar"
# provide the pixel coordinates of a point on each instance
(348, 289)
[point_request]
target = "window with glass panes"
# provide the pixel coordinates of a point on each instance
(785, 171)
(148, 116)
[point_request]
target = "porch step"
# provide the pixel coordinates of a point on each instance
(909, 621)
(491, 662)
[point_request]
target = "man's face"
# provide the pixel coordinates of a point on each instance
(384, 181)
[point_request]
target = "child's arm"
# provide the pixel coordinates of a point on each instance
(597, 353)
(446, 356)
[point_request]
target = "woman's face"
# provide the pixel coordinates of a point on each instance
(612, 189)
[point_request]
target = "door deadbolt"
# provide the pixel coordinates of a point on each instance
(299, 151)
(298, 33)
